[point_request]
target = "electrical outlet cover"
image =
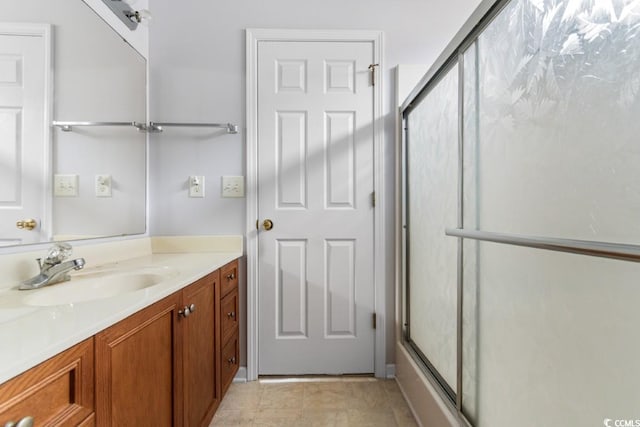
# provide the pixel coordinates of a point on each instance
(103, 185)
(196, 186)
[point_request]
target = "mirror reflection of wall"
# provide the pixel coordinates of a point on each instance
(96, 77)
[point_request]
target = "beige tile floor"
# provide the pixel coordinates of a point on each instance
(340, 401)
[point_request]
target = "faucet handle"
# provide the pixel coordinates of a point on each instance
(59, 252)
(79, 264)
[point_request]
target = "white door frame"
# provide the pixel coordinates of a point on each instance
(253, 37)
(46, 32)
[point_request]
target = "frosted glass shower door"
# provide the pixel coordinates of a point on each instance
(431, 206)
(552, 150)
(557, 110)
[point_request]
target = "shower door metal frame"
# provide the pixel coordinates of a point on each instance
(416, 352)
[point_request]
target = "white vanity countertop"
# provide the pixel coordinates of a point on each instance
(30, 335)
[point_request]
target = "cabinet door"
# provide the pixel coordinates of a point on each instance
(201, 344)
(59, 391)
(137, 368)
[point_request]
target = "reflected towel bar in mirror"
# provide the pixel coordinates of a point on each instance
(68, 126)
(157, 126)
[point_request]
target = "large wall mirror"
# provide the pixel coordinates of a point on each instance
(60, 62)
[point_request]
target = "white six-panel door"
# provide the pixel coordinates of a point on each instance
(315, 183)
(23, 130)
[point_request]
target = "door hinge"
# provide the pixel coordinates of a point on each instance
(373, 199)
(257, 224)
(375, 320)
(372, 68)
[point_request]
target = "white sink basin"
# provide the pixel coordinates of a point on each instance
(93, 288)
(8, 314)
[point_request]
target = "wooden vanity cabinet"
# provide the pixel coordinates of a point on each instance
(160, 366)
(167, 365)
(59, 391)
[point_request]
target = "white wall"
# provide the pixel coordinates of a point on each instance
(197, 73)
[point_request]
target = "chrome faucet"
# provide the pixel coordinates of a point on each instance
(52, 269)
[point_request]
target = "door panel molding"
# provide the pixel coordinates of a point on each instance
(253, 37)
(45, 33)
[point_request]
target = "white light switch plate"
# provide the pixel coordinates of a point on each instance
(65, 185)
(233, 186)
(196, 186)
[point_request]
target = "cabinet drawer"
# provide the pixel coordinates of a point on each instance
(59, 391)
(229, 363)
(229, 277)
(229, 316)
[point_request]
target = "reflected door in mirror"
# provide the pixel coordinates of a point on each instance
(23, 131)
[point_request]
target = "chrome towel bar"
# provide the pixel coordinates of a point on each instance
(158, 126)
(68, 126)
(152, 127)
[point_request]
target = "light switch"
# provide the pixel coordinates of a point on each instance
(103, 185)
(65, 185)
(196, 186)
(233, 186)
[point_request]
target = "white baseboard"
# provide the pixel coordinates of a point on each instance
(241, 376)
(391, 371)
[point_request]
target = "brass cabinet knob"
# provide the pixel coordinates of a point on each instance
(231, 276)
(27, 224)
(231, 314)
(267, 224)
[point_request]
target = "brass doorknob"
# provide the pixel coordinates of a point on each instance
(267, 224)
(27, 224)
